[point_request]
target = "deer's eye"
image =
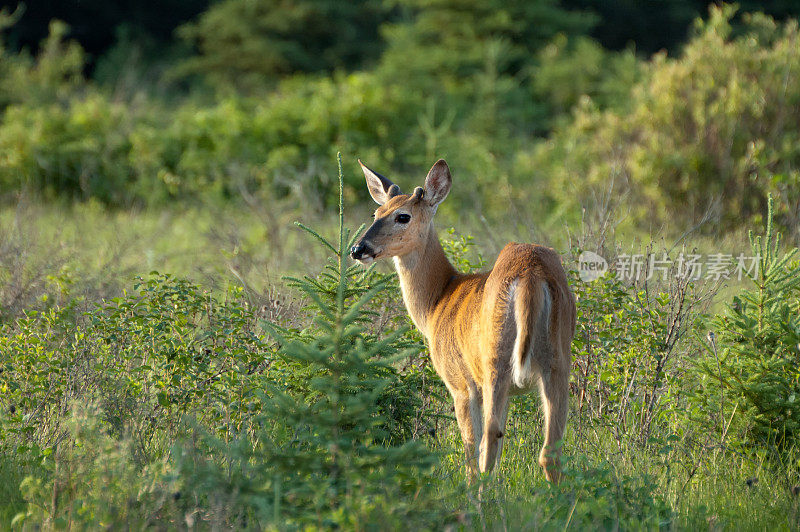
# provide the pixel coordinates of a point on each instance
(403, 218)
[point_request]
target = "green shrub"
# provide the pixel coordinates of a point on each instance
(275, 146)
(55, 75)
(630, 350)
(57, 135)
(716, 128)
(569, 70)
(749, 383)
(595, 496)
(147, 359)
(447, 45)
(93, 480)
(596, 492)
(76, 151)
(95, 147)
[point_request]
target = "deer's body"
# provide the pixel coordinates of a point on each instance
(491, 334)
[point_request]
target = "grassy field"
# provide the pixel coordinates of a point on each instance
(623, 469)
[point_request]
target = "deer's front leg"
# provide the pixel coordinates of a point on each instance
(468, 413)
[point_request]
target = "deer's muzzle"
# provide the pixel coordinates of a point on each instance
(362, 252)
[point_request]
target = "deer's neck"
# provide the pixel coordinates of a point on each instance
(424, 274)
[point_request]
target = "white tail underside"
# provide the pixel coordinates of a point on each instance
(522, 371)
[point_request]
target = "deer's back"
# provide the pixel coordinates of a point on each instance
(471, 320)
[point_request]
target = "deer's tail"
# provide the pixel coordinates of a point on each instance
(532, 308)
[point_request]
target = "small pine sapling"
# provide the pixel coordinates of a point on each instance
(752, 373)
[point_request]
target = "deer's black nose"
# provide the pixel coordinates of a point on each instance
(357, 251)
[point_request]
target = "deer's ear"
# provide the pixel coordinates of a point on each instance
(380, 188)
(437, 184)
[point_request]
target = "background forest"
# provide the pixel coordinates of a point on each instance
(176, 352)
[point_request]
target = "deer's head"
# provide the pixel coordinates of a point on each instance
(402, 221)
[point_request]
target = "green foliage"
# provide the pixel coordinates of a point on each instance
(53, 75)
(277, 145)
(594, 496)
(648, 128)
(571, 69)
(77, 150)
(484, 85)
(471, 55)
(206, 355)
(248, 44)
(462, 252)
(451, 41)
(629, 348)
(93, 147)
(93, 480)
(750, 376)
(146, 359)
(57, 135)
(339, 439)
(714, 128)
(181, 406)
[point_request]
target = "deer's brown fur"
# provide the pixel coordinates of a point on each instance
(490, 334)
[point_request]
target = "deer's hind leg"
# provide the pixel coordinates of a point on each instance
(495, 407)
(554, 389)
(497, 382)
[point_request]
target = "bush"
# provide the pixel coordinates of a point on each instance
(146, 359)
(93, 480)
(630, 351)
(595, 496)
(716, 128)
(55, 75)
(750, 377)
(569, 70)
(76, 151)
(95, 147)
(274, 146)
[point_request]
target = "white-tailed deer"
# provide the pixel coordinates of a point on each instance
(490, 334)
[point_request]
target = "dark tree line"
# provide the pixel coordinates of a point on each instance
(287, 36)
